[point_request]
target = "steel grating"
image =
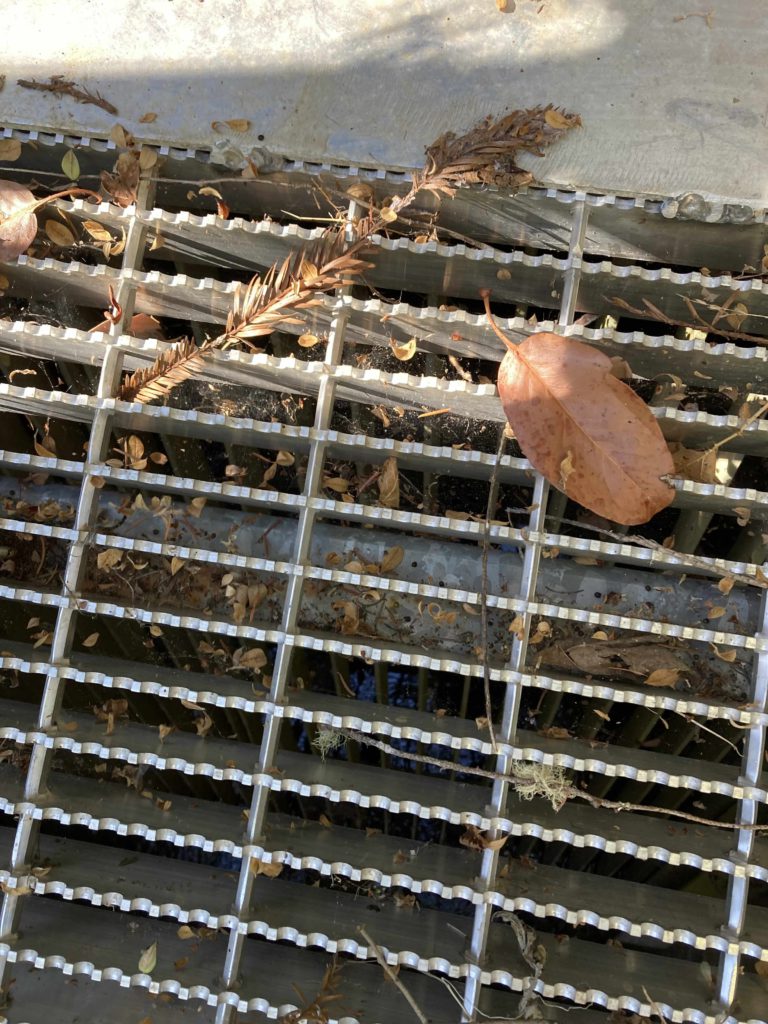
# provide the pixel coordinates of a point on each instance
(157, 792)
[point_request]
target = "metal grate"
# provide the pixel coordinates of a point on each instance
(159, 791)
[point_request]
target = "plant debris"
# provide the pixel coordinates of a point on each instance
(62, 87)
(583, 429)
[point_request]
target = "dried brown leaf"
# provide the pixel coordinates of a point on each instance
(729, 654)
(177, 564)
(58, 233)
(389, 484)
(148, 118)
(663, 677)
(403, 350)
(725, 585)
(91, 641)
(699, 466)
(564, 405)
(308, 340)
(392, 558)
(16, 232)
(10, 150)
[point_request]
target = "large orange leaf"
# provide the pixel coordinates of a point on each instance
(585, 430)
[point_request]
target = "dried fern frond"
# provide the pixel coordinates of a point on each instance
(295, 284)
(260, 307)
(487, 153)
(177, 364)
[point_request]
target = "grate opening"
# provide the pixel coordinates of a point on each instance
(213, 613)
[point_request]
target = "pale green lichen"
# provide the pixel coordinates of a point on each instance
(328, 740)
(549, 781)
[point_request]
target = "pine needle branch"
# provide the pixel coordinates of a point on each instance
(484, 155)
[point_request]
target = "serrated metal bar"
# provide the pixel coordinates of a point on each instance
(291, 609)
(746, 816)
(109, 379)
(478, 942)
(454, 332)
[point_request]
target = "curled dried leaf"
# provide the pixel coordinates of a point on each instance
(392, 558)
(148, 959)
(729, 654)
(389, 484)
(404, 350)
(91, 641)
(108, 558)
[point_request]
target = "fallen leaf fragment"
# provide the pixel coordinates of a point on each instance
(663, 677)
(727, 655)
(148, 118)
(148, 959)
(389, 484)
(403, 350)
(564, 405)
(10, 150)
(392, 558)
(308, 340)
(91, 641)
(235, 124)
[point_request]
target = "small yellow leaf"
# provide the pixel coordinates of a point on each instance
(70, 165)
(196, 506)
(663, 677)
(285, 458)
(716, 612)
(337, 484)
(308, 341)
(271, 869)
(725, 585)
(403, 350)
(504, 274)
(148, 959)
(235, 124)
(91, 641)
(97, 231)
(208, 190)
(388, 215)
(392, 558)
(155, 630)
(97, 482)
(59, 234)
(185, 932)
(557, 120)
(389, 484)
(176, 564)
(10, 150)
(599, 634)
(148, 118)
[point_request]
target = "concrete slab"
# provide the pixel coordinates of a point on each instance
(672, 101)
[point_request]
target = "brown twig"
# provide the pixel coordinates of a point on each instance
(61, 87)
(382, 961)
(490, 508)
(570, 792)
(652, 312)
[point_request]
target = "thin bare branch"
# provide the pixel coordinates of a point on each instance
(382, 961)
(61, 87)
